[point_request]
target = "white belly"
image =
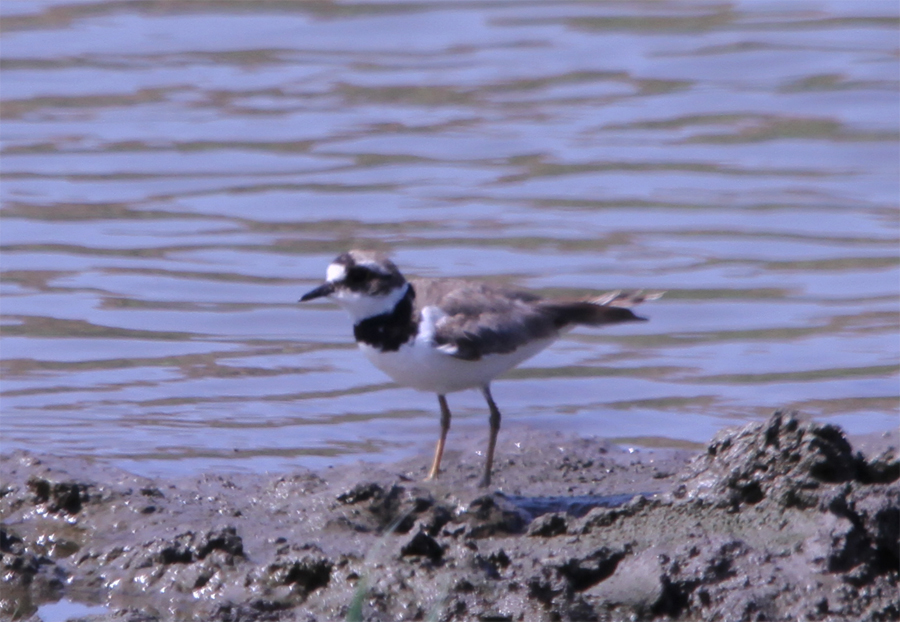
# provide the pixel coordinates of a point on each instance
(419, 365)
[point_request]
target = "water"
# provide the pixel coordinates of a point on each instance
(177, 174)
(65, 609)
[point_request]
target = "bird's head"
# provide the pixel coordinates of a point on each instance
(364, 283)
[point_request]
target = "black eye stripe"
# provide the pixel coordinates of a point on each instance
(369, 278)
(358, 274)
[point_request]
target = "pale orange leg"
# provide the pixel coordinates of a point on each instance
(439, 450)
(492, 442)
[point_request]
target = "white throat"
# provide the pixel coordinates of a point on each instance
(361, 306)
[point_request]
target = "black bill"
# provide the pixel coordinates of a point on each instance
(325, 289)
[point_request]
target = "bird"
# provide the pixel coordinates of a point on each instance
(443, 335)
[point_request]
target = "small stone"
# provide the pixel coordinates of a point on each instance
(548, 526)
(422, 544)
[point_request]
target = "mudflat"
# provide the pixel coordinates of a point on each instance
(780, 520)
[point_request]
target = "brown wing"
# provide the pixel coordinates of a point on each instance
(481, 319)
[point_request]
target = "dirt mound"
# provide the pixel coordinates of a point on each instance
(784, 460)
(776, 521)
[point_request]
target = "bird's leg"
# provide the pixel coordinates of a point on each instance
(439, 450)
(492, 442)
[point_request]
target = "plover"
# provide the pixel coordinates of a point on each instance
(447, 335)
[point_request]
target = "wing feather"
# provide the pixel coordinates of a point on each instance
(470, 320)
(478, 319)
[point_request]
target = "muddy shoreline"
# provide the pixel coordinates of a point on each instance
(781, 520)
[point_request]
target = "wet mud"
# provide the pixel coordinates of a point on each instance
(781, 520)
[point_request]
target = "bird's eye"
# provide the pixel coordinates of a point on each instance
(356, 276)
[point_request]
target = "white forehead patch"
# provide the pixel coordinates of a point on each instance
(336, 272)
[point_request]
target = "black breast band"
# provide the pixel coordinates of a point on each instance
(389, 331)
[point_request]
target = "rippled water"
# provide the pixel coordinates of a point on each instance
(176, 174)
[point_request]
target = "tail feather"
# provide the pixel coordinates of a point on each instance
(609, 309)
(626, 299)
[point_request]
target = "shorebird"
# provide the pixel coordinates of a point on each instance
(447, 335)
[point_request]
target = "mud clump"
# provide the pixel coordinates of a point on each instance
(784, 460)
(27, 578)
(68, 497)
(780, 520)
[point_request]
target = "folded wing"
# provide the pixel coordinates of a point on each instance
(477, 319)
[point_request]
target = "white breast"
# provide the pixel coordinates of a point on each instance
(361, 306)
(421, 365)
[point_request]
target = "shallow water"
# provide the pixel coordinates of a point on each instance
(176, 174)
